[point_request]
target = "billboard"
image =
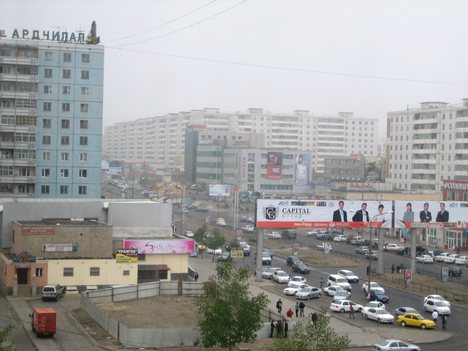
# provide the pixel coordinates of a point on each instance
(302, 169)
(219, 190)
(160, 246)
(274, 167)
(126, 256)
(322, 214)
(431, 214)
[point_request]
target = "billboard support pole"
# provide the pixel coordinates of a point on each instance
(413, 250)
(258, 274)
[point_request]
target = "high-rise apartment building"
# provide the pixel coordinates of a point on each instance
(427, 145)
(51, 95)
(161, 139)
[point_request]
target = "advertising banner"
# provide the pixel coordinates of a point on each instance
(274, 167)
(126, 256)
(432, 214)
(302, 169)
(322, 214)
(237, 253)
(219, 190)
(160, 246)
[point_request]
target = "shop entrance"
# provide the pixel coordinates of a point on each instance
(22, 274)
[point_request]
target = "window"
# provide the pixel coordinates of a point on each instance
(64, 173)
(45, 172)
(84, 58)
(66, 57)
(46, 139)
(64, 156)
(84, 74)
(82, 190)
(83, 124)
(85, 91)
(66, 74)
(162, 275)
(68, 271)
(65, 140)
(65, 107)
(83, 157)
(63, 189)
(46, 156)
(65, 123)
(47, 89)
(46, 123)
(83, 173)
(47, 72)
(83, 140)
(45, 189)
(126, 272)
(48, 56)
(39, 272)
(47, 106)
(66, 90)
(84, 108)
(94, 271)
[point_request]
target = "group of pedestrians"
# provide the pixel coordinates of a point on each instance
(299, 309)
(281, 327)
(435, 317)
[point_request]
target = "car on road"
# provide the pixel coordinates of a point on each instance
(266, 258)
(441, 257)
(217, 251)
(300, 267)
(221, 222)
(293, 288)
(395, 345)
(461, 260)
(281, 277)
(331, 290)
(373, 285)
(323, 246)
(375, 304)
(297, 279)
(225, 256)
(289, 234)
(340, 238)
(292, 259)
(377, 314)
(338, 280)
(437, 297)
(349, 276)
(344, 305)
(273, 235)
(374, 255)
(431, 305)
(188, 234)
(451, 258)
(248, 228)
(341, 295)
(316, 232)
(357, 240)
(415, 320)
(393, 247)
(362, 250)
(378, 295)
(455, 271)
(245, 247)
(308, 292)
(268, 272)
(425, 259)
(403, 310)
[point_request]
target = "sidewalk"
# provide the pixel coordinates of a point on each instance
(360, 336)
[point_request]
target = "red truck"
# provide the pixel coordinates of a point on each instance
(43, 321)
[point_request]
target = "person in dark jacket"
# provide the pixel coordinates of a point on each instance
(361, 215)
(286, 327)
(272, 328)
(425, 215)
(442, 215)
(340, 215)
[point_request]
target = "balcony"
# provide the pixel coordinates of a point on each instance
(33, 78)
(17, 180)
(18, 129)
(29, 162)
(16, 145)
(18, 111)
(15, 60)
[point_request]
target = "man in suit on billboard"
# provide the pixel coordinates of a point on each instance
(361, 215)
(442, 215)
(340, 214)
(425, 215)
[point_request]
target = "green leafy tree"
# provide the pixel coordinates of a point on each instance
(4, 333)
(200, 233)
(215, 240)
(230, 314)
(308, 336)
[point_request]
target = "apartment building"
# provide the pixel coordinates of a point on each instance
(427, 145)
(323, 136)
(51, 94)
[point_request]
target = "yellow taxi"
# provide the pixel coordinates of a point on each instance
(415, 320)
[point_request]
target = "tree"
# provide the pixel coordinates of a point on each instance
(308, 336)
(230, 314)
(200, 233)
(4, 333)
(215, 240)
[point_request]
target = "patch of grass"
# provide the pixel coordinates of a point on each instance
(318, 258)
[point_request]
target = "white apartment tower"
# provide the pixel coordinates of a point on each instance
(426, 145)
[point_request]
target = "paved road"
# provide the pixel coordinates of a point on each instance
(18, 335)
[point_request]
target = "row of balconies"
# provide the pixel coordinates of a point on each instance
(17, 179)
(19, 111)
(18, 94)
(15, 60)
(29, 162)
(20, 77)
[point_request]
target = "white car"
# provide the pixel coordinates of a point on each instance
(297, 279)
(308, 292)
(268, 272)
(344, 305)
(292, 289)
(331, 290)
(378, 314)
(461, 260)
(340, 238)
(248, 228)
(221, 222)
(188, 234)
(441, 257)
(373, 285)
(349, 276)
(451, 258)
(281, 277)
(274, 235)
(437, 297)
(395, 345)
(375, 304)
(441, 307)
(393, 247)
(323, 246)
(217, 251)
(341, 295)
(425, 259)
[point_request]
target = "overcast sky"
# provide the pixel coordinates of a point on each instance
(280, 55)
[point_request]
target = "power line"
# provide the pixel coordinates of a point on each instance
(165, 23)
(291, 69)
(187, 26)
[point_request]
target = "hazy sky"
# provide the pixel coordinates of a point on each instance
(284, 54)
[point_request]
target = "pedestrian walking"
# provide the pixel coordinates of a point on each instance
(279, 329)
(286, 327)
(435, 315)
(301, 309)
(314, 317)
(272, 328)
(351, 311)
(321, 282)
(290, 313)
(196, 276)
(297, 309)
(444, 321)
(393, 268)
(279, 305)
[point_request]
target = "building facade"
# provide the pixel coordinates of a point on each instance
(51, 96)
(427, 145)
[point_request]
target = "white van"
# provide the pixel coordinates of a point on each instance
(338, 280)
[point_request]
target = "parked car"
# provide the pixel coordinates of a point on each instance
(293, 288)
(292, 259)
(246, 248)
(461, 260)
(341, 295)
(403, 310)
(188, 234)
(437, 297)
(300, 267)
(373, 285)
(374, 255)
(43, 321)
(455, 271)
(451, 258)
(225, 256)
(378, 314)
(266, 258)
(357, 240)
(297, 279)
(441, 257)
(340, 238)
(393, 248)
(281, 277)
(349, 276)
(289, 234)
(323, 246)
(273, 235)
(344, 305)
(248, 228)
(221, 222)
(375, 304)
(52, 292)
(415, 320)
(395, 345)
(431, 305)
(362, 250)
(268, 272)
(308, 292)
(338, 280)
(331, 290)
(378, 295)
(425, 259)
